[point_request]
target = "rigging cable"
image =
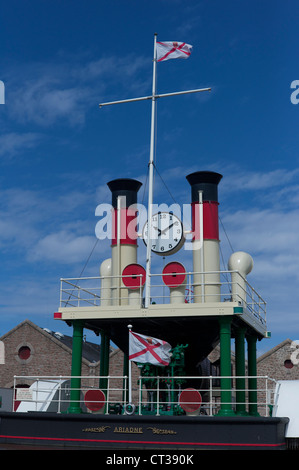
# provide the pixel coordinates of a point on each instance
(221, 253)
(82, 271)
(226, 234)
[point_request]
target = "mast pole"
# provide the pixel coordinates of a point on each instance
(154, 98)
(151, 178)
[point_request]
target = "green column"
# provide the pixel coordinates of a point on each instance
(104, 361)
(252, 371)
(126, 382)
(76, 367)
(225, 366)
(240, 371)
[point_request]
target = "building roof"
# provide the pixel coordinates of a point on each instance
(274, 349)
(90, 351)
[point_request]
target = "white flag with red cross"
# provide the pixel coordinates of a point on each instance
(150, 350)
(172, 50)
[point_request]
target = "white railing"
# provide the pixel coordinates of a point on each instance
(151, 395)
(232, 286)
(159, 396)
(53, 393)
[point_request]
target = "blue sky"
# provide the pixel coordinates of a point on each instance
(60, 59)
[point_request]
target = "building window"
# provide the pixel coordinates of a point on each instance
(24, 353)
(288, 364)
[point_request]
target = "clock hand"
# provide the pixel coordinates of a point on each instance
(165, 230)
(158, 230)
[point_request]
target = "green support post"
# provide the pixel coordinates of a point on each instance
(104, 362)
(252, 372)
(240, 372)
(76, 368)
(126, 381)
(225, 366)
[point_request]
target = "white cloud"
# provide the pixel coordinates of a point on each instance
(48, 99)
(52, 226)
(62, 247)
(66, 91)
(28, 217)
(279, 182)
(264, 231)
(13, 143)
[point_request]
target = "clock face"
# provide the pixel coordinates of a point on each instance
(167, 235)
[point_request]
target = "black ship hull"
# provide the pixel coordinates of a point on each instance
(120, 432)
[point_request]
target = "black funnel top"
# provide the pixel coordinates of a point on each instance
(124, 187)
(205, 181)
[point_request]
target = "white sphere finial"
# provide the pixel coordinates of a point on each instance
(240, 261)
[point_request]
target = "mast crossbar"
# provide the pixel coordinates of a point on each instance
(143, 98)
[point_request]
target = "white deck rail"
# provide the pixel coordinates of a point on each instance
(151, 395)
(89, 291)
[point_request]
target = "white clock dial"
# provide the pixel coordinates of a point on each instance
(167, 235)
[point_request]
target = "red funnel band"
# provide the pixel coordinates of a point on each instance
(210, 221)
(128, 227)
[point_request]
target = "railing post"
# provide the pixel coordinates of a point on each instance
(14, 393)
(60, 294)
(59, 395)
(36, 396)
(267, 394)
(76, 367)
(158, 393)
(211, 395)
(140, 404)
(125, 379)
(107, 395)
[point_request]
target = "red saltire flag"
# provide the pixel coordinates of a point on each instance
(172, 50)
(150, 350)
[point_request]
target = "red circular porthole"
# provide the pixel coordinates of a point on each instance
(190, 400)
(24, 353)
(288, 364)
(174, 274)
(94, 400)
(134, 276)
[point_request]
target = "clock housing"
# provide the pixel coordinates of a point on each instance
(167, 233)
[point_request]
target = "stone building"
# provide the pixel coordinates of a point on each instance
(32, 351)
(280, 362)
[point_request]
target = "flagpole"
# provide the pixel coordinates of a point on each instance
(154, 98)
(129, 407)
(151, 177)
(130, 372)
